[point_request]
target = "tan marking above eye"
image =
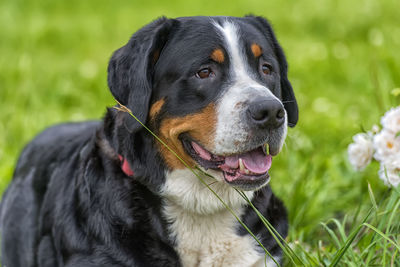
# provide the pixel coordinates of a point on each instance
(200, 126)
(156, 107)
(218, 55)
(256, 49)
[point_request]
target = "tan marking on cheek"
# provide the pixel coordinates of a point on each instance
(218, 55)
(256, 49)
(155, 108)
(199, 126)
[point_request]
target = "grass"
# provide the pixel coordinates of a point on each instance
(344, 62)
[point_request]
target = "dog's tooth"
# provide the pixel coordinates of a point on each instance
(241, 165)
(246, 171)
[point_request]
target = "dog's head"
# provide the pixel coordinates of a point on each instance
(214, 89)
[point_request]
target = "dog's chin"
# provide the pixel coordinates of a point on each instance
(247, 171)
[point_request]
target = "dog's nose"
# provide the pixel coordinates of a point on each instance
(266, 113)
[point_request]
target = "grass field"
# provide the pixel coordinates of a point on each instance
(343, 62)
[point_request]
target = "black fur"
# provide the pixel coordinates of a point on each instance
(70, 204)
(131, 68)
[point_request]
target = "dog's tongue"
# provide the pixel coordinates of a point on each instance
(255, 161)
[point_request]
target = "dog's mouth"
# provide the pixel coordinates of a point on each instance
(247, 170)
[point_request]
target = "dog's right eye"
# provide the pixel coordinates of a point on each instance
(266, 68)
(205, 73)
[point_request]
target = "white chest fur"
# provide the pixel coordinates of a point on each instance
(205, 232)
(210, 240)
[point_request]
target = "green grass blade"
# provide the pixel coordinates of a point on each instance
(340, 253)
(332, 234)
(382, 235)
(372, 197)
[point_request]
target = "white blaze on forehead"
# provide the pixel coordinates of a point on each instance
(236, 53)
(232, 132)
(241, 72)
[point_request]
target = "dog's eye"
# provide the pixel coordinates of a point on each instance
(266, 68)
(204, 73)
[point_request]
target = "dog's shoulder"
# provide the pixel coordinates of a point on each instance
(51, 147)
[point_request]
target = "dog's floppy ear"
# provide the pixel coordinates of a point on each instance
(130, 69)
(288, 98)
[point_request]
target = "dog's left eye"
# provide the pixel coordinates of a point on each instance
(205, 73)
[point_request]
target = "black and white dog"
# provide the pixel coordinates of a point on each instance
(107, 193)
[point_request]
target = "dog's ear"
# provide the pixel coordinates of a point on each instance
(131, 67)
(288, 98)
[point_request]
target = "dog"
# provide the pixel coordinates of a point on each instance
(108, 193)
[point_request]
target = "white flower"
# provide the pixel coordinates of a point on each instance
(375, 129)
(389, 171)
(360, 152)
(391, 120)
(386, 144)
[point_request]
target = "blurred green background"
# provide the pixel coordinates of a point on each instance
(343, 62)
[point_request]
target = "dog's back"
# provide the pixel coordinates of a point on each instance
(38, 168)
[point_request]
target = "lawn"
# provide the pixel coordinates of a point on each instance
(343, 59)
